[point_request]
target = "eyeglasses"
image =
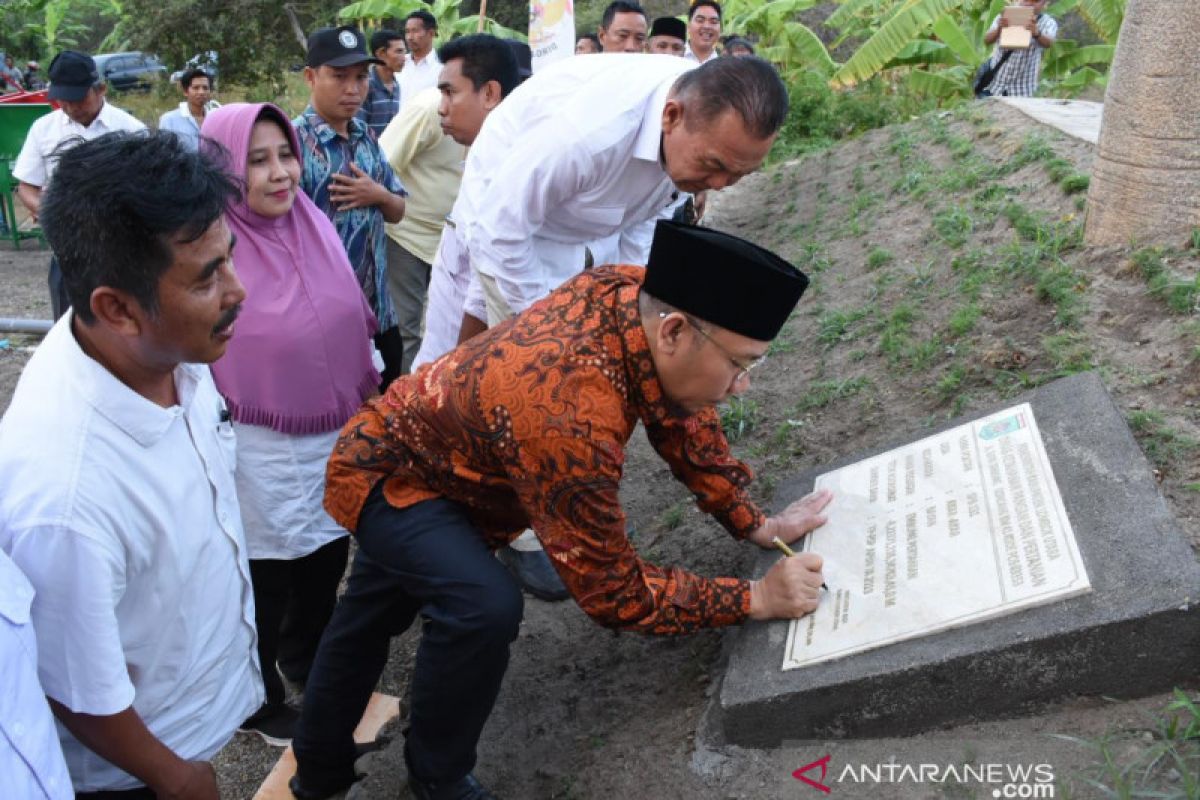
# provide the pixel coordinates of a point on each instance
(743, 370)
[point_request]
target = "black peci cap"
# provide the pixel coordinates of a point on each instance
(71, 75)
(524, 58)
(669, 26)
(338, 47)
(722, 279)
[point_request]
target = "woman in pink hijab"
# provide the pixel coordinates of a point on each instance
(299, 366)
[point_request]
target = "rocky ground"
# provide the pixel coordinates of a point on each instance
(948, 274)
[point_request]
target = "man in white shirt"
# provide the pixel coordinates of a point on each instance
(31, 760)
(117, 494)
(84, 114)
(588, 149)
(704, 30)
(622, 28)
(423, 67)
(186, 120)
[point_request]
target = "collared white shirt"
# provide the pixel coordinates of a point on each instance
(34, 164)
(418, 75)
(181, 123)
(692, 57)
(31, 761)
(570, 157)
(124, 517)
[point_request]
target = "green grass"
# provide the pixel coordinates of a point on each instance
(954, 226)
(672, 518)
(1163, 445)
(821, 393)
(963, 320)
(1075, 183)
(950, 384)
(878, 257)
(738, 417)
(1159, 759)
(836, 326)
(1069, 352)
(1182, 296)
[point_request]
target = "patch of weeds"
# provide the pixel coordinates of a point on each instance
(857, 181)
(960, 147)
(963, 320)
(950, 384)
(672, 518)
(812, 258)
(856, 355)
(1194, 245)
(902, 142)
(1069, 352)
(1061, 287)
(1181, 296)
(895, 338)
(923, 354)
(834, 326)
(1075, 183)
(781, 344)
(738, 417)
(1165, 762)
(1081, 203)
(1059, 169)
(915, 181)
(992, 193)
(821, 393)
(790, 208)
(1033, 149)
(877, 258)
(963, 176)
(922, 277)
(972, 268)
(953, 226)
(1162, 444)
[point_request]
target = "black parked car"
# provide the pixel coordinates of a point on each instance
(129, 71)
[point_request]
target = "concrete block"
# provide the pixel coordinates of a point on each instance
(1137, 632)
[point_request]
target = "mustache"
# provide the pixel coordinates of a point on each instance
(227, 318)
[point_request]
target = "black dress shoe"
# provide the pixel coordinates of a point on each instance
(309, 791)
(533, 571)
(465, 788)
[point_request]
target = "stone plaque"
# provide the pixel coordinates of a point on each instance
(956, 528)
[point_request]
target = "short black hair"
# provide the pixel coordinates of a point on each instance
(713, 4)
(749, 86)
(115, 204)
(620, 7)
(593, 38)
(189, 75)
(427, 19)
(381, 40)
(738, 41)
(485, 58)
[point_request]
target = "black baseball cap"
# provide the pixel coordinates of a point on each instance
(72, 74)
(338, 47)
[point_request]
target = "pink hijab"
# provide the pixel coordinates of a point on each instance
(300, 358)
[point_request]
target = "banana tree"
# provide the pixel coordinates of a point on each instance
(782, 39)
(369, 13)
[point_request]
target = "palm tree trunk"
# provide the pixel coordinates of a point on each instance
(1146, 180)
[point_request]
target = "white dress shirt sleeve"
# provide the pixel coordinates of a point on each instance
(475, 303)
(30, 166)
(535, 178)
(635, 240)
(80, 583)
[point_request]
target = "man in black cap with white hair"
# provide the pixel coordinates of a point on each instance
(526, 426)
(83, 114)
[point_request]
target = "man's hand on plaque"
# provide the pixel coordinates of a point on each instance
(795, 521)
(790, 589)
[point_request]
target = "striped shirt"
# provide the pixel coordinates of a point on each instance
(361, 229)
(382, 103)
(1018, 77)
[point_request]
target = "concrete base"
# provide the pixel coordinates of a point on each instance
(1137, 632)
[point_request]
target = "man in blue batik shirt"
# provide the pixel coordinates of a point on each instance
(347, 175)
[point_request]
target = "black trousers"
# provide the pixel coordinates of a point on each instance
(391, 350)
(143, 793)
(59, 302)
(426, 559)
(293, 601)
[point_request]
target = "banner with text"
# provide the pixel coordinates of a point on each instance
(551, 31)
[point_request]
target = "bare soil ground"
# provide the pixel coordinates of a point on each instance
(948, 274)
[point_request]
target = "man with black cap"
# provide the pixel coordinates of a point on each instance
(83, 114)
(346, 174)
(526, 425)
(668, 35)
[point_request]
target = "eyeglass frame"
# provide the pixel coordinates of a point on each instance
(743, 370)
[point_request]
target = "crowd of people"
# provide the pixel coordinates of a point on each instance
(428, 312)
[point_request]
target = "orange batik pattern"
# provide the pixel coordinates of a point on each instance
(526, 426)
